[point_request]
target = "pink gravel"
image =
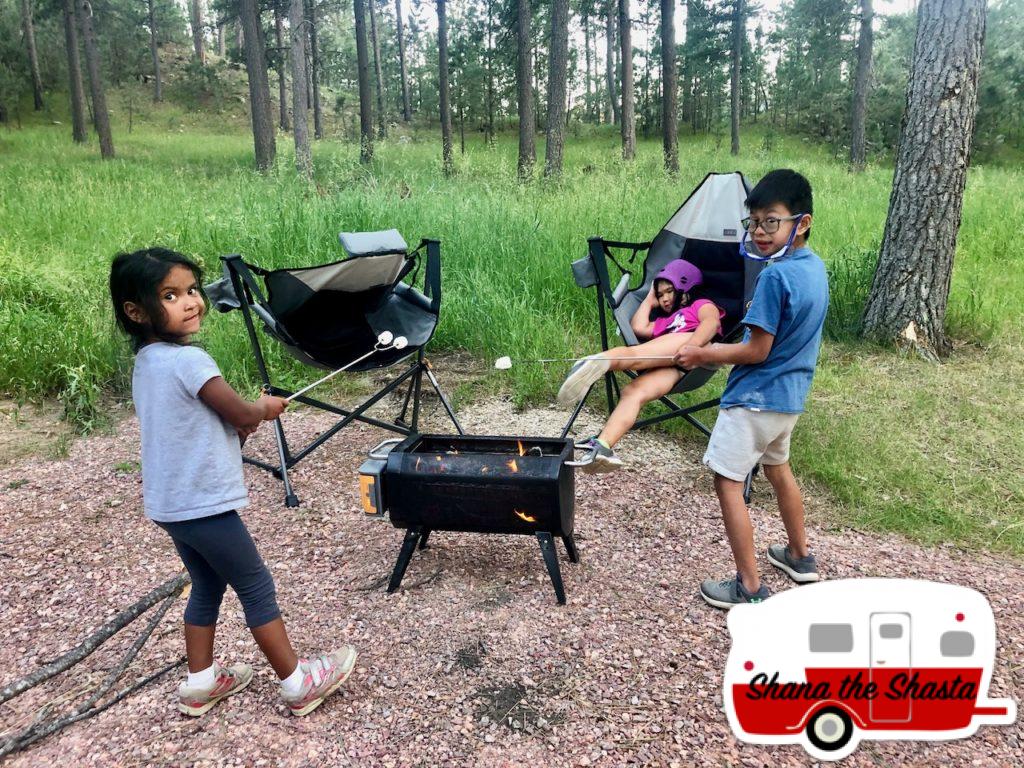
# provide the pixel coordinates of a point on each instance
(471, 663)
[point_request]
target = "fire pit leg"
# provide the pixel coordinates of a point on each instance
(570, 547)
(547, 548)
(423, 538)
(412, 536)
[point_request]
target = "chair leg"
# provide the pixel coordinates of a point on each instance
(444, 401)
(290, 499)
(748, 484)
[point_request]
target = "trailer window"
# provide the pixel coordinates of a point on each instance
(890, 631)
(956, 644)
(831, 638)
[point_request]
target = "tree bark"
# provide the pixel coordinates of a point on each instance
(588, 98)
(196, 8)
(860, 89)
(259, 85)
(627, 111)
(33, 59)
(79, 131)
(738, 30)
(314, 68)
(558, 56)
(445, 95)
(221, 49)
(406, 107)
(524, 86)
(365, 107)
(282, 58)
(158, 94)
(382, 118)
(300, 120)
(910, 291)
(489, 135)
(100, 116)
(670, 94)
(609, 61)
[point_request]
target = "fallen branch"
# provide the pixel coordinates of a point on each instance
(91, 643)
(20, 742)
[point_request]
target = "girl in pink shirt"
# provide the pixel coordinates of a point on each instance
(667, 320)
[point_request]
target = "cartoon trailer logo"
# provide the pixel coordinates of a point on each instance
(830, 663)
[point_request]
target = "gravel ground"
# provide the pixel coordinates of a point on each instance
(471, 662)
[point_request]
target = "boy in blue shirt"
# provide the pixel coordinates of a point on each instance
(767, 386)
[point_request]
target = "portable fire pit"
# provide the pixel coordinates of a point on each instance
(511, 485)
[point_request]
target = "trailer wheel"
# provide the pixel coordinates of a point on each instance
(830, 729)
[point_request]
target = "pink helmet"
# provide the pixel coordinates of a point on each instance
(683, 275)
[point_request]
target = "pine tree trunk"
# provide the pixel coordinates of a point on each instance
(406, 108)
(860, 89)
(382, 118)
(158, 94)
(196, 7)
(221, 48)
(365, 106)
(101, 118)
(314, 68)
(586, 73)
(669, 96)
(33, 58)
(907, 303)
(558, 56)
(282, 59)
(489, 135)
(609, 61)
(79, 131)
(445, 94)
(628, 118)
(300, 119)
(527, 150)
(738, 32)
(259, 86)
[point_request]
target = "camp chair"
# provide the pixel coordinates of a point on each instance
(327, 316)
(705, 231)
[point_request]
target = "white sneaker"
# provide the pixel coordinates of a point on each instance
(322, 677)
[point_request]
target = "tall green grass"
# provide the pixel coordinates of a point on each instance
(890, 442)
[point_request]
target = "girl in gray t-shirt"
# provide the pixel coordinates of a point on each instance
(192, 424)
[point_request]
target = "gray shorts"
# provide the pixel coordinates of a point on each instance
(743, 437)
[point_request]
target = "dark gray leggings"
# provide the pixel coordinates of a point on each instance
(218, 551)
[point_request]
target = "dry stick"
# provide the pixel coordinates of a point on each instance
(91, 643)
(57, 725)
(34, 732)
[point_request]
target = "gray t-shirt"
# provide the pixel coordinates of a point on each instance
(191, 457)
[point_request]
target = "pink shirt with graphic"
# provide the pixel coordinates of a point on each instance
(685, 320)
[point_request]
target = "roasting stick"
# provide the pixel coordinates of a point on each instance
(386, 340)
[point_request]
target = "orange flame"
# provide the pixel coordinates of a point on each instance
(526, 517)
(512, 465)
(522, 451)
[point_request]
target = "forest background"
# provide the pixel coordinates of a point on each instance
(183, 177)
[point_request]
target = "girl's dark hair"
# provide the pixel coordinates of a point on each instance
(136, 277)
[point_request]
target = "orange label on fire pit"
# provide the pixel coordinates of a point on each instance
(366, 487)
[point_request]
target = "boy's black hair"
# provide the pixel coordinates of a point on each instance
(136, 277)
(783, 186)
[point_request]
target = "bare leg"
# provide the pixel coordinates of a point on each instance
(273, 641)
(629, 358)
(791, 506)
(642, 390)
(739, 530)
(199, 646)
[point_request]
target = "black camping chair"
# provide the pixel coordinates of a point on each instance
(705, 231)
(329, 315)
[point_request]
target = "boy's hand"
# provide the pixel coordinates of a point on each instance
(691, 357)
(272, 406)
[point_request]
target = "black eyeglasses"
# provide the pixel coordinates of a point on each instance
(769, 224)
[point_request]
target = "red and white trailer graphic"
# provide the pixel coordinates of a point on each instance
(827, 664)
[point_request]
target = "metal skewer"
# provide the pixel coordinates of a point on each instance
(385, 341)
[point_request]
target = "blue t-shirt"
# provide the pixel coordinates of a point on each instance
(790, 301)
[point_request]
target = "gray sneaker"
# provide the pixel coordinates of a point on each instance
(802, 570)
(581, 376)
(598, 459)
(729, 592)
